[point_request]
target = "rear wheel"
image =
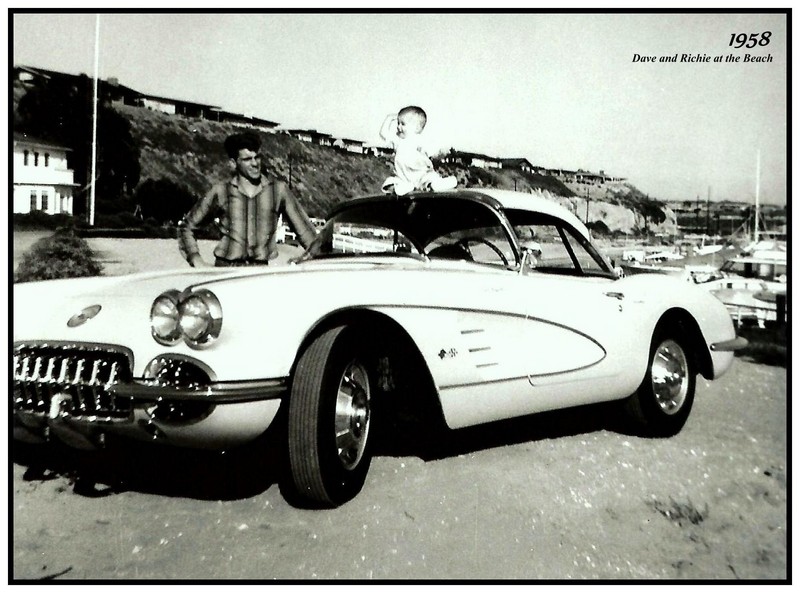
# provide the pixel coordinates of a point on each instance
(661, 405)
(330, 415)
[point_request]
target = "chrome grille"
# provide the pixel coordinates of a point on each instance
(80, 375)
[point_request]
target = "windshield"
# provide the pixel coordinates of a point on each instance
(441, 228)
(458, 228)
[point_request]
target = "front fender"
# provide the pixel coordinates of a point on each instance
(665, 295)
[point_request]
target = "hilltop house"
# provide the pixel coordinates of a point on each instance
(311, 136)
(348, 145)
(471, 159)
(242, 121)
(587, 177)
(377, 151)
(177, 106)
(523, 165)
(112, 91)
(42, 179)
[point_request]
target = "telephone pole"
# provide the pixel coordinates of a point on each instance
(92, 184)
(587, 206)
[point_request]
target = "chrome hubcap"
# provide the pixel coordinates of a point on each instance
(352, 414)
(670, 376)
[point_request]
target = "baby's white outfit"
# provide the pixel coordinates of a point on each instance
(413, 169)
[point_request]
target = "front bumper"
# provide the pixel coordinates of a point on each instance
(221, 416)
(80, 392)
(218, 393)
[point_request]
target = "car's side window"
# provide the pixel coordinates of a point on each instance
(546, 245)
(585, 260)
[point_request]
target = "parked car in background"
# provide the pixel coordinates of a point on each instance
(478, 304)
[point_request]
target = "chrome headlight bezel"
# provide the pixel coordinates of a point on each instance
(192, 316)
(202, 304)
(165, 306)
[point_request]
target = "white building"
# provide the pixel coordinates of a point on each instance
(42, 180)
(156, 104)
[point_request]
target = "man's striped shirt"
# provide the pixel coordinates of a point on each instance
(248, 224)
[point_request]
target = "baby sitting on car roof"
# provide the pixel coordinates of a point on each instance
(413, 169)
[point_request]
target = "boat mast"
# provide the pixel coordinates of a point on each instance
(758, 176)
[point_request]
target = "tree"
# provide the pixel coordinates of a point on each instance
(164, 200)
(60, 110)
(598, 227)
(652, 210)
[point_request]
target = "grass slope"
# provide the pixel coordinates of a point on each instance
(189, 152)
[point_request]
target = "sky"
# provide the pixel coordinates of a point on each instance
(560, 89)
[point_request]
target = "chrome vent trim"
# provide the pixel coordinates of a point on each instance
(81, 375)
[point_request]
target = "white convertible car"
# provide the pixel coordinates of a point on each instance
(485, 304)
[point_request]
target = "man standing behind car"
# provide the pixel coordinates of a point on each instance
(248, 206)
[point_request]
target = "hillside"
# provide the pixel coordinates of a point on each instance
(189, 152)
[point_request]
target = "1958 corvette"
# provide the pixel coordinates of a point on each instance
(488, 304)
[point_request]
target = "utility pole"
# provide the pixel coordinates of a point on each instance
(708, 210)
(587, 206)
(90, 209)
(291, 158)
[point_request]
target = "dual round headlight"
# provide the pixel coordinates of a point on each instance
(195, 317)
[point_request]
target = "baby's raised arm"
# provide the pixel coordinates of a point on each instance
(388, 130)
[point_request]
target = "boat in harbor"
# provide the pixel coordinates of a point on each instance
(652, 259)
(752, 284)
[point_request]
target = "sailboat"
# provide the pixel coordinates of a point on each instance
(753, 282)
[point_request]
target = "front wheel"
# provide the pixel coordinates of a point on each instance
(661, 405)
(330, 415)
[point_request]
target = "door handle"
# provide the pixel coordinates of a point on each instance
(615, 295)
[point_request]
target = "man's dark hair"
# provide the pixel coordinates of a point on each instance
(242, 140)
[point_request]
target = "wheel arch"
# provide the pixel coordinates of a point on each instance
(687, 327)
(392, 335)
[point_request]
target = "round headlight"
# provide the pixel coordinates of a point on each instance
(164, 318)
(195, 318)
(200, 318)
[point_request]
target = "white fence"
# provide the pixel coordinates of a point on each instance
(358, 245)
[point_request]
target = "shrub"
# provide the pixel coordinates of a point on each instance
(119, 220)
(38, 220)
(599, 228)
(61, 255)
(151, 229)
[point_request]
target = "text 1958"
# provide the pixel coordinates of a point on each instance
(743, 40)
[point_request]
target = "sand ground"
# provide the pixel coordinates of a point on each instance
(563, 496)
